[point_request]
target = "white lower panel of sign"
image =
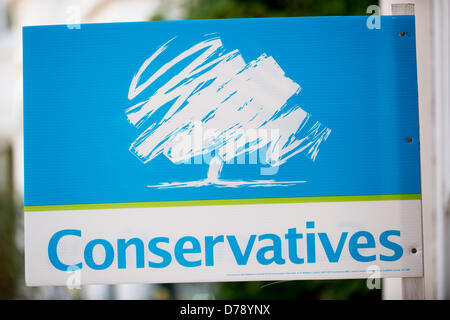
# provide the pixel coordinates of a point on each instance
(225, 243)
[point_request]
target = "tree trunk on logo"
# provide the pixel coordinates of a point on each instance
(214, 170)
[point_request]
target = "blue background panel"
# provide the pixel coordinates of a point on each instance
(360, 83)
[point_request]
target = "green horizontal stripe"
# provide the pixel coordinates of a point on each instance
(221, 202)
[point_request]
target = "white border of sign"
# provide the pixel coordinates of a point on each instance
(331, 218)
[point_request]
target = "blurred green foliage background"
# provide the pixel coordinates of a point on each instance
(11, 261)
(224, 9)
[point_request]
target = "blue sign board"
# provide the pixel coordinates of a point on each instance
(245, 114)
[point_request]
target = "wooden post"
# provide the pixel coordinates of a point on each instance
(402, 9)
(413, 288)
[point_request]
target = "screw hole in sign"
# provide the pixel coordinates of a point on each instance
(413, 250)
(403, 33)
(409, 139)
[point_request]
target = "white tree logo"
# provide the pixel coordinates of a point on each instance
(207, 105)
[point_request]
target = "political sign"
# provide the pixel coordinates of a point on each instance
(221, 150)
